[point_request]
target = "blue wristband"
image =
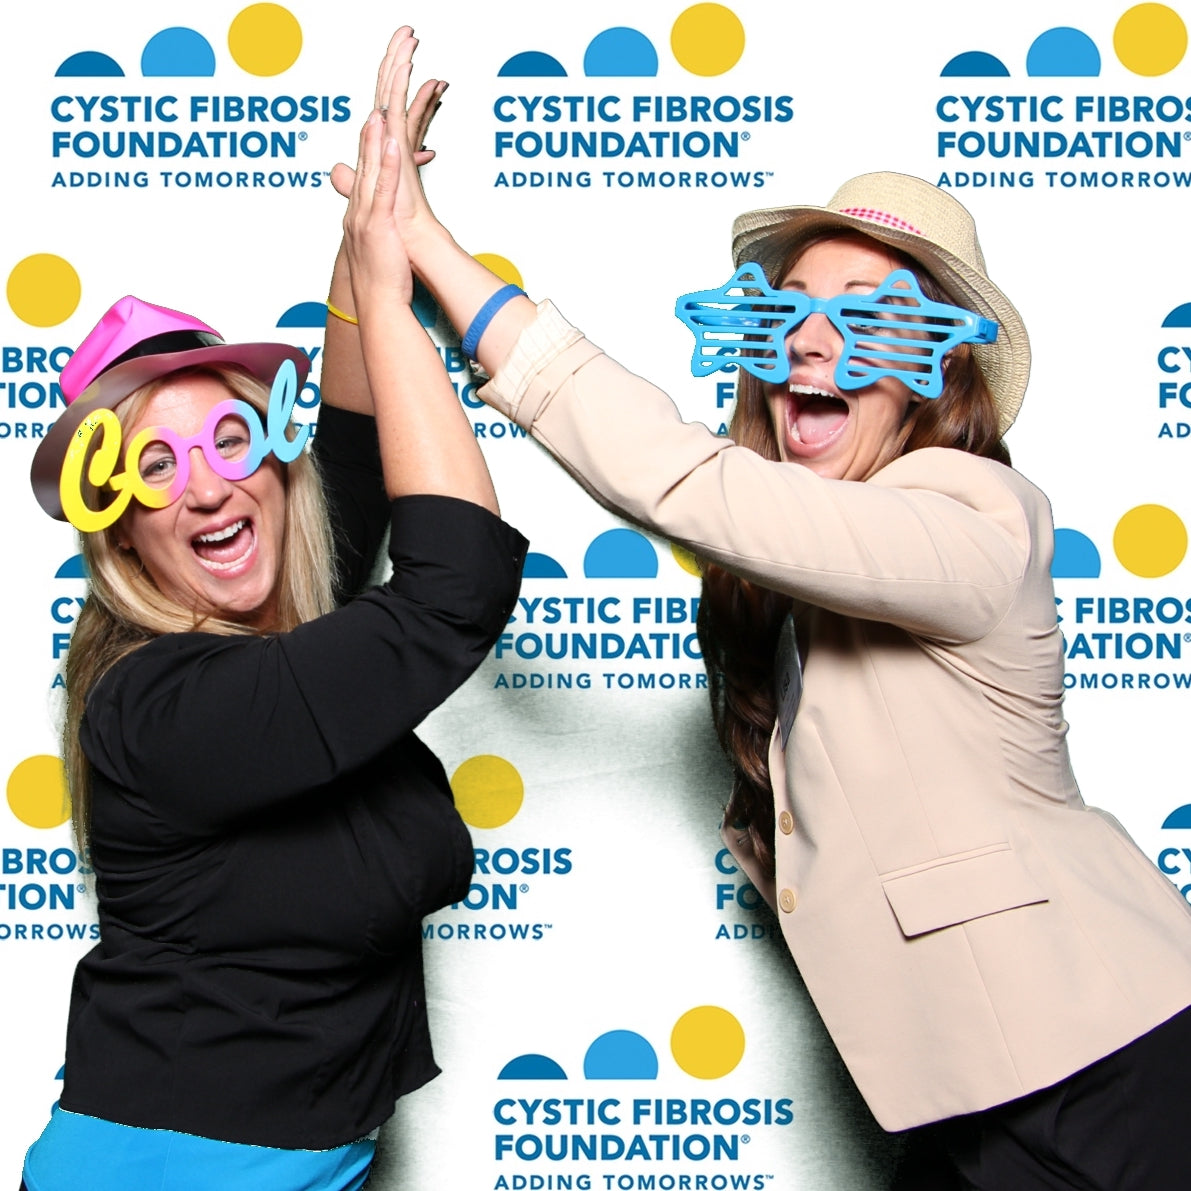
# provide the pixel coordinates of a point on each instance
(485, 315)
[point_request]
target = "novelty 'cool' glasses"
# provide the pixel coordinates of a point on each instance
(233, 440)
(894, 331)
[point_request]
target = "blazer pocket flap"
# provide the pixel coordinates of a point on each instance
(959, 888)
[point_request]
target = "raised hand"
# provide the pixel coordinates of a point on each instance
(376, 255)
(425, 103)
(460, 284)
(406, 122)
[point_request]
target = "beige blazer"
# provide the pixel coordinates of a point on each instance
(970, 930)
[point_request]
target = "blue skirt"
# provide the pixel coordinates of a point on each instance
(77, 1150)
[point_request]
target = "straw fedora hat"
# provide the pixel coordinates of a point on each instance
(929, 226)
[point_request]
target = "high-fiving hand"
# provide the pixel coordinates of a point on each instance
(385, 198)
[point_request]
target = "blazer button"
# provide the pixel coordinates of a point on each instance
(787, 899)
(786, 822)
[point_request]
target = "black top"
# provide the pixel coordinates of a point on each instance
(267, 833)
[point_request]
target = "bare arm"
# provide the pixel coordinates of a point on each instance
(459, 283)
(461, 286)
(427, 444)
(344, 379)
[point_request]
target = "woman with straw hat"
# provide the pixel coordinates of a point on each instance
(266, 829)
(1001, 968)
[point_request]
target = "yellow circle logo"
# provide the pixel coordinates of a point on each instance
(265, 39)
(44, 290)
(1150, 541)
(37, 792)
(1150, 39)
(686, 560)
(707, 39)
(488, 791)
(707, 1042)
(502, 267)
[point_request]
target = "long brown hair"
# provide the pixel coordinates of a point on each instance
(739, 621)
(125, 608)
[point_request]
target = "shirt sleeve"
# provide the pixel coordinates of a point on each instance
(347, 454)
(937, 542)
(214, 728)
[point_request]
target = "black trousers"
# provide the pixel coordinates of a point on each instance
(1122, 1124)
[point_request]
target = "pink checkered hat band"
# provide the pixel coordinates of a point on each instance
(874, 216)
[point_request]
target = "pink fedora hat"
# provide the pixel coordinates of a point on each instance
(134, 343)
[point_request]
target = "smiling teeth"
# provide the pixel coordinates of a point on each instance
(809, 391)
(221, 535)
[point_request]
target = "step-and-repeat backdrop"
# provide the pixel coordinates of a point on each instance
(612, 1005)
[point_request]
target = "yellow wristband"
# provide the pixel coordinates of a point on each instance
(347, 318)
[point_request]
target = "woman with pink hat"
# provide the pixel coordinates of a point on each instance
(1003, 971)
(266, 829)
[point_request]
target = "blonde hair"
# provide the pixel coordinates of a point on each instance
(125, 608)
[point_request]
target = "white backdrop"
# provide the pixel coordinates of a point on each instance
(589, 957)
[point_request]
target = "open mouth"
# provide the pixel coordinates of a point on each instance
(814, 416)
(225, 549)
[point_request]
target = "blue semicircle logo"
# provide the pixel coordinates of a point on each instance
(620, 53)
(542, 566)
(620, 554)
(620, 1054)
(975, 64)
(1063, 53)
(89, 64)
(73, 568)
(1076, 556)
(1179, 818)
(1180, 316)
(531, 64)
(312, 315)
(531, 1067)
(178, 53)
